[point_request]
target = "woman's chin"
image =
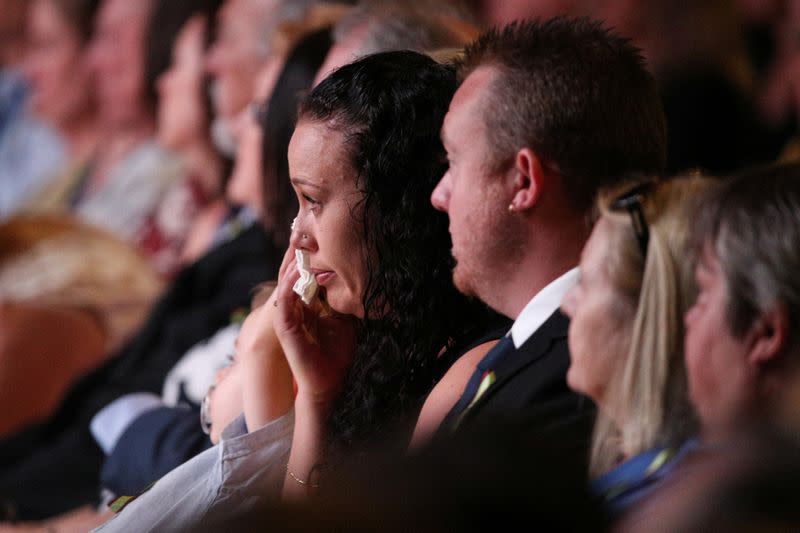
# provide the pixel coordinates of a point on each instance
(340, 302)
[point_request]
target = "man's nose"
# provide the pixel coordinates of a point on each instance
(441, 195)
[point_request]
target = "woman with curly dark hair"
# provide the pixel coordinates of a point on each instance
(364, 160)
(352, 366)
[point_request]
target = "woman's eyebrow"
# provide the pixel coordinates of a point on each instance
(303, 181)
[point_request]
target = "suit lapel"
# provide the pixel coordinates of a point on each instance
(537, 346)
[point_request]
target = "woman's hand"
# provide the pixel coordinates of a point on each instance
(267, 386)
(319, 349)
(257, 337)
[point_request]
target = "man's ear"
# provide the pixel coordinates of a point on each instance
(769, 336)
(528, 180)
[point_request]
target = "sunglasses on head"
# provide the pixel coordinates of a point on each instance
(631, 201)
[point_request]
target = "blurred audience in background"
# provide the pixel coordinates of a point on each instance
(245, 30)
(29, 149)
(124, 182)
(184, 119)
(145, 194)
(167, 433)
(203, 299)
(57, 67)
(242, 44)
(86, 289)
(701, 55)
(383, 25)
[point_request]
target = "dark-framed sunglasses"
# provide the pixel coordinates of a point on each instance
(631, 201)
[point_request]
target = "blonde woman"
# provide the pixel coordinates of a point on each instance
(626, 334)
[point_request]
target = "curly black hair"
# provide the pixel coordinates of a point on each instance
(390, 107)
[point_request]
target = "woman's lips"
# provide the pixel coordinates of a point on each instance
(322, 276)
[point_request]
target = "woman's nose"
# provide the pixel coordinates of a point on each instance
(301, 238)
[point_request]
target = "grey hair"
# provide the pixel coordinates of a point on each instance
(402, 25)
(753, 227)
(272, 15)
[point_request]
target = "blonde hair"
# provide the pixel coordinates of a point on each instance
(447, 56)
(647, 392)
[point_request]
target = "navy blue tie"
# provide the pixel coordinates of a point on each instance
(487, 364)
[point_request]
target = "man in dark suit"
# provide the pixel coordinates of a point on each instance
(546, 114)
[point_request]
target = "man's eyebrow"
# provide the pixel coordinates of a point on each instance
(303, 181)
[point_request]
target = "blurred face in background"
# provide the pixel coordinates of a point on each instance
(245, 185)
(56, 66)
(117, 61)
(181, 89)
(236, 56)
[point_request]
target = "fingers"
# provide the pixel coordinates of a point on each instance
(287, 262)
(286, 283)
(287, 304)
(288, 269)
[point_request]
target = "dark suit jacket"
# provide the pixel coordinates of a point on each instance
(55, 467)
(154, 444)
(531, 391)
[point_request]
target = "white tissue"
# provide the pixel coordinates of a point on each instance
(305, 287)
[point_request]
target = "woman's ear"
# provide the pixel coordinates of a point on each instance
(528, 180)
(769, 336)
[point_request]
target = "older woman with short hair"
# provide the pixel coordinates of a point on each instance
(742, 341)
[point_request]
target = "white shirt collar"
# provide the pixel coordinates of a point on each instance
(541, 307)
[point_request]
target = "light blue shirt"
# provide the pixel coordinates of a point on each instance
(31, 153)
(243, 470)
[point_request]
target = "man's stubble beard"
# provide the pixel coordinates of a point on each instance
(493, 257)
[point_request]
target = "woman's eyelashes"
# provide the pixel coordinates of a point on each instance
(311, 202)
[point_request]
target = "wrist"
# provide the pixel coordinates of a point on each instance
(314, 404)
